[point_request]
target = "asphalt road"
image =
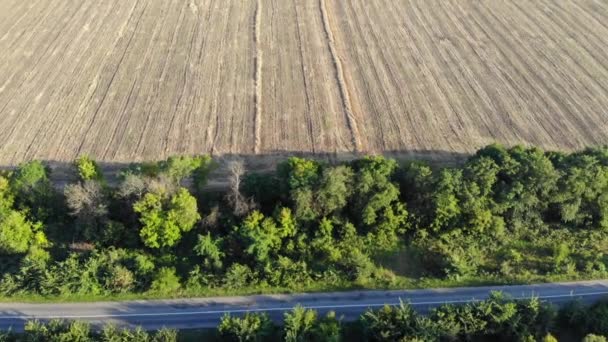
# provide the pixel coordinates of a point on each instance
(207, 312)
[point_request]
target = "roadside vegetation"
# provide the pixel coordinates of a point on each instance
(503, 216)
(495, 319)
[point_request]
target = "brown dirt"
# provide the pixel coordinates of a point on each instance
(133, 80)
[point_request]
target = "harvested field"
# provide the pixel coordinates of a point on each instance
(133, 80)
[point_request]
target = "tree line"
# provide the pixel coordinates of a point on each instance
(495, 319)
(505, 214)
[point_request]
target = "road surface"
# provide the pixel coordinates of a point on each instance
(207, 312)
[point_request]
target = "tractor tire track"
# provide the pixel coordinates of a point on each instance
(344, 93)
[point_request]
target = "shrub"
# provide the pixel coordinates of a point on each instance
(299, 324)
(238, 276)
(165, 219)
(165, 281)
(250, 328)
(120, 279)
(594, 338)
(88, 169)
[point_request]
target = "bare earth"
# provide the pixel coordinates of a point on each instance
(133, 80)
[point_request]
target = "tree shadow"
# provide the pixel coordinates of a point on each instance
(63, 173)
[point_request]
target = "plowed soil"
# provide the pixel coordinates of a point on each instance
(133, 80)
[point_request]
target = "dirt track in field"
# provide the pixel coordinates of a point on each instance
(133, 80)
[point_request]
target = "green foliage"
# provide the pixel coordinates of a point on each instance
(299, 324)
(33, 192)
(527, 182)
(594, 338)
(298, 173)
(376, 205)
(287, 272)
(165, 281)
(446, 205)
(88, 169)
(58, 331)
(299, 178)
(549, 338)
(597, 318)
(302, 325)
(260, 235)
(397, 323)
(263, 188)
(506, 214)
(164, 220)
(263, 236)
(238, 276)
(581, 199)
(335, 189)
(249, 328)
(210, 250)
(181, 167)
(26, 179)
(497, 318)
(328, 329)
(102, 272)
(17, 233)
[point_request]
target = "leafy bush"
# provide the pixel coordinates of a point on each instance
(165, 281)
(165, 219)
(300, 324)
(511, 214)
(249, 328)
(88, 169)
(17, 233)
(497, 318)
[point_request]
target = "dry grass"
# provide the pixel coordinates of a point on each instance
(131, 80)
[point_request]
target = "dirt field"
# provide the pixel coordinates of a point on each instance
(132, 80)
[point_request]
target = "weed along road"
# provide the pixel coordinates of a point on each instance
(207, 312)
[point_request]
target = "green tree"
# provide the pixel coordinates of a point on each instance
(249, 328)
(209, 249)
(165, 219)
(328, 329)
(298, 178)
(300, 324)
(477, 205)
(33, 192)
(582, 198)
(378, 211)
(177, 168)
(549, 338)
(263, 188)
(527, 184)
(263, 237)
(594, 338)
(446, 209)
(335, 189)
(597, 318)
(238, 276)
(17, 233)
(416, 182)
(165, 281)
(88, 169)
(397, 323)
(260, 235)
(298, 173)
(58, 331)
